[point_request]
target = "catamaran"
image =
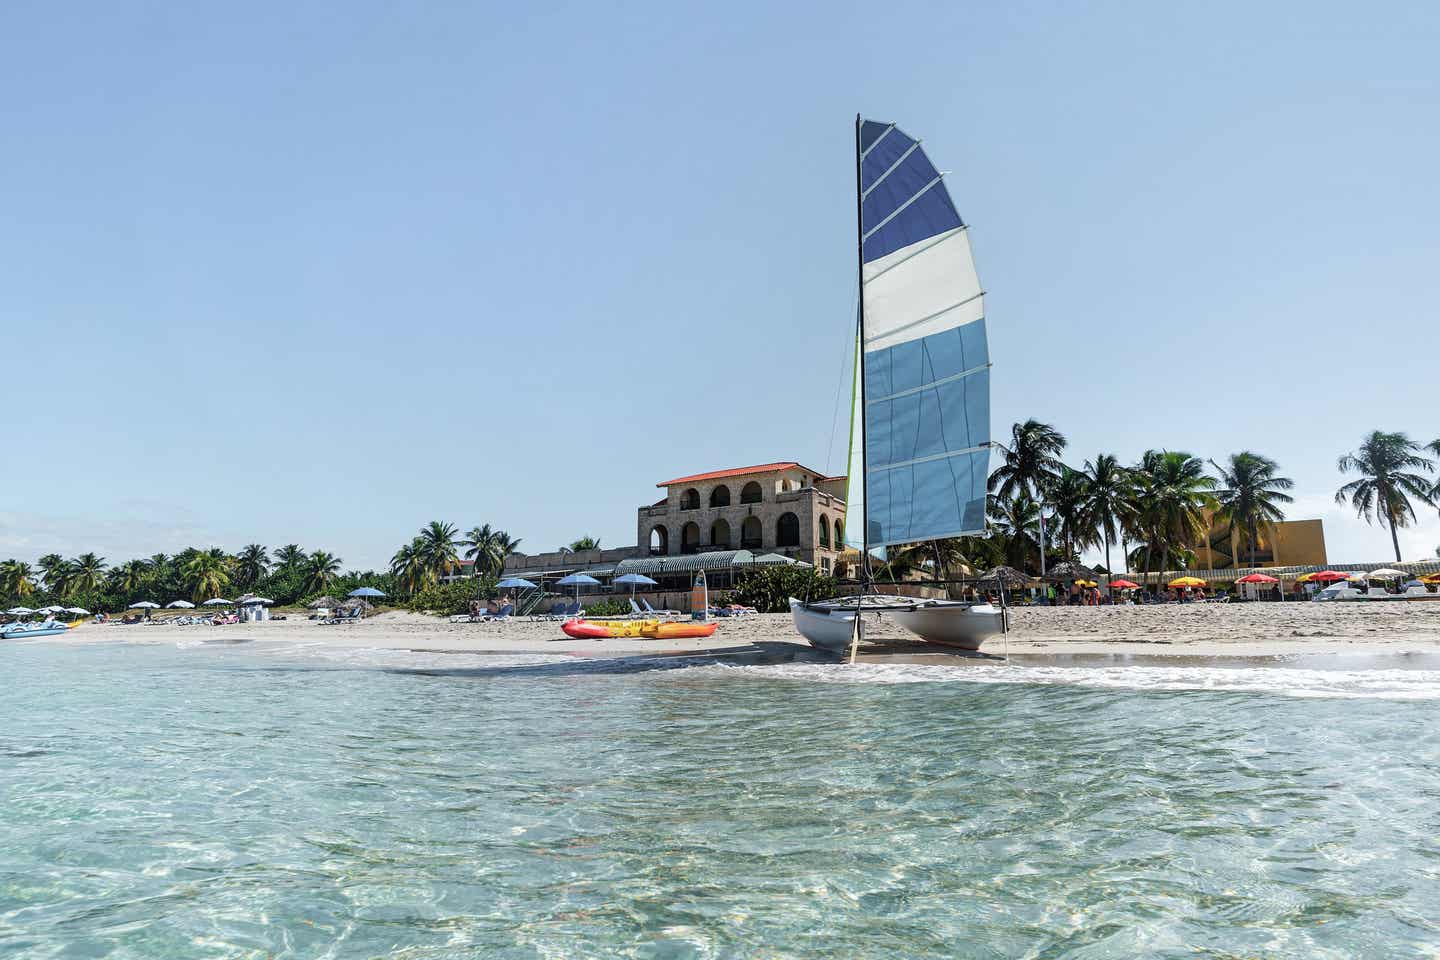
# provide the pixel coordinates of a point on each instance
(920, 408)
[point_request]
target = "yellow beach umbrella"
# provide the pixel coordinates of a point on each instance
(1187, 582)
(1430, 578)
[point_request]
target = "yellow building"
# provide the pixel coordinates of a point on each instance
(1289, 543)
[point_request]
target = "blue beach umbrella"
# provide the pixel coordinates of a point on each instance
(635, 579)
(366, 592)
(576, 579)
(516, 583)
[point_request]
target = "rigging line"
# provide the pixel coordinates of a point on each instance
(839, 388)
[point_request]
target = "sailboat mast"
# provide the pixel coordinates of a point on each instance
(865, 577)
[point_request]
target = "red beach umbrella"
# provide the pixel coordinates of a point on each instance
(1122, 585)
(1257, 578)
(1328, 576)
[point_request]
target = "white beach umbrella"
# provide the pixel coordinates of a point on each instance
(250, 600)
(180, 605)
(1385, 573)
(217, 602)
(19, 611)
(51, 609)
(80, 610)
(144, 605)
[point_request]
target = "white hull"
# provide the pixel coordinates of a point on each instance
(963, 625)
(830, 626)
(828, 629)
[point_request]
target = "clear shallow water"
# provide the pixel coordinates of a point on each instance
(250, 802)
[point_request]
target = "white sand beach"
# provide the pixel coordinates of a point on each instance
(1138, 634)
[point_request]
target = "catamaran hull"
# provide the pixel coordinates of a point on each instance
(961, 625)
(828, 630)
(27, 634)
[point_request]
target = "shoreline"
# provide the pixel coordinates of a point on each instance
(1243, 634)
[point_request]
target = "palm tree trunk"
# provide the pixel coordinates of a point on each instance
(1109, 573)
(1394, 538)
(1042, 539)
(1254, 537)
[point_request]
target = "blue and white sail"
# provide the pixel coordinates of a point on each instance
(926, 383)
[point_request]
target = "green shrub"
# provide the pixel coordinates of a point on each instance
(607, 607)
(448, 599)
(769, 589)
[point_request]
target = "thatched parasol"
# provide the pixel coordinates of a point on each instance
(1007, 576)
(1067, 570)
(326, 601)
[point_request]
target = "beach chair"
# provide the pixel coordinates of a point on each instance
(499, 616)
(657, 613)
(635, 608)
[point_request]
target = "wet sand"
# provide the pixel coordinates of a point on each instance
(1355, 632)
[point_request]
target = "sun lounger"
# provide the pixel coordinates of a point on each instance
(659, 613)
(499, 616)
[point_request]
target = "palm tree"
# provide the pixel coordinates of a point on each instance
(1250, 498)
(52, 571)
(1031, 464)
(1386, 463)
(17, 578)
(89, 570)
(1110, 490)
(1011, 519)
(488, 549)
(1174, 494)
(586, 542)
(207, 572)
(289, 557)
(1071, 502)
(251, 564)
(131, 576)
(438, 542)
(408, 566)
(321, 571)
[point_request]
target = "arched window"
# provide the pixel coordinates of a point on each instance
(689, 538)
(787, 531)
(659, 540)
(720, 534)
(690, 499)
(720, 496)
(750, 493)
(839, 534)
(824, 531)
(751, 533)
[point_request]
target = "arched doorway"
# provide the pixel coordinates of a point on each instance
(720, 534)
(751, 533)
(690, 538)
(659, 540)
(787, 531)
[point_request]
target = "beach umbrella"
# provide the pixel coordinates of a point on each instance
(1430, 578)
(1385, 573)
(144, 605)
(516, 583)
(575, 579)
(261, 600)
(51, 609)
(1186, 582)
(1123, 585)
(635, 579)
(80, 610)
(19, 611)
(1257, 578)
(366, 592)
(1326, 576)
(217, 602)
(180, 605)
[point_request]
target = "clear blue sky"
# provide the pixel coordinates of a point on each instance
(321, 272)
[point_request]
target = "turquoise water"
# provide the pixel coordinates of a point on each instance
(245, 802)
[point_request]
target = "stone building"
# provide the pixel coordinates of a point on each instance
(781, 508)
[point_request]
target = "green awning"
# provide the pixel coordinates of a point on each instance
(686, 563)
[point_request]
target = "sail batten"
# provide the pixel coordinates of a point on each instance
(920, 430)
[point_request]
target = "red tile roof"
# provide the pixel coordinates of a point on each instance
(739, 472)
